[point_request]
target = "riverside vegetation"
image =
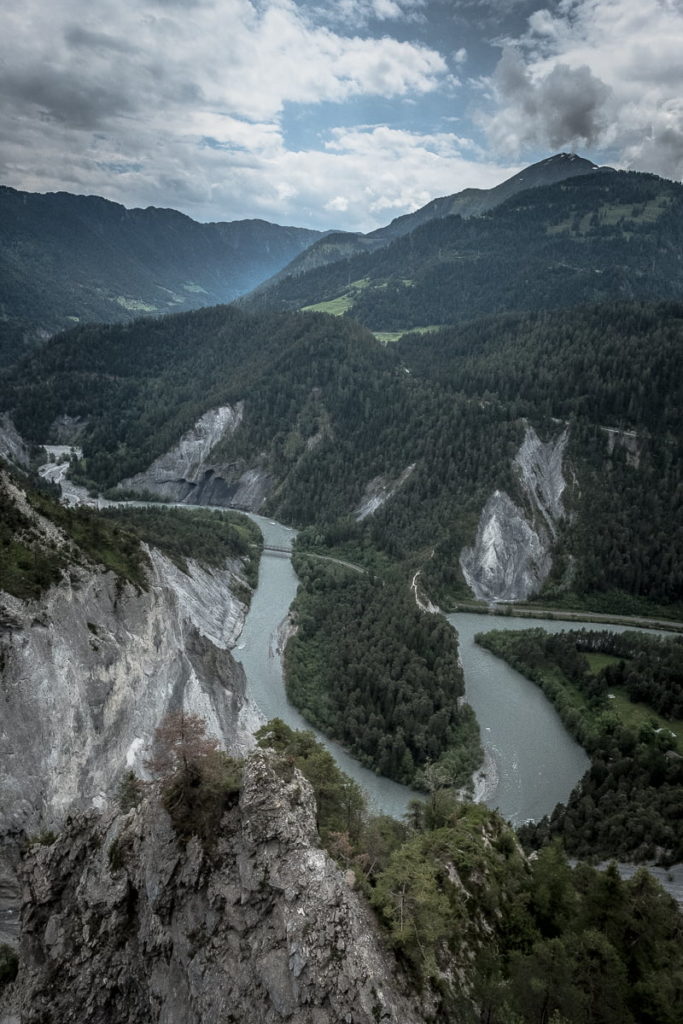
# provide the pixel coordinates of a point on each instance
(621, 696)
(370, 669)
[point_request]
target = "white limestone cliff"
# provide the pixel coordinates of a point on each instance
(90, 671)
(512, 553)
(187, 473)
(12, 445)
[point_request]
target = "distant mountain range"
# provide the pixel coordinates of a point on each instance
(597, 236)
(471, 202)
(67, 258)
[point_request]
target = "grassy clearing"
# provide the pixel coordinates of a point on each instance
(336, 307)
(598, 661)
(388, 337)
(636, 715)
(136, 305)
(343, 303)
(640, 213)
(612, 215)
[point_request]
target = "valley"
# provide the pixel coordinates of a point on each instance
(67, 259)
(273, 515)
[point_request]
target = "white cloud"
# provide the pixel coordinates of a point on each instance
(360, 12)
(339, 204)
(603, 73)
(238, 56)
(362, 178)
(158, 102)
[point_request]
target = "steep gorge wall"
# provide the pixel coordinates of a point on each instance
(265, 928)
(512, 553)
(187, 473)
(90, 671)
(12, 445)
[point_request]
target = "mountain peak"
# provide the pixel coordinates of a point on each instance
(472, 202)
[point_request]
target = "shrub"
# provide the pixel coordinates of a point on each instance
(197, 781)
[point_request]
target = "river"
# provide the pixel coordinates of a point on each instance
(258, 650)
(532, 763)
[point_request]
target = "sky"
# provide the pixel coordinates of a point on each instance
(329, 115)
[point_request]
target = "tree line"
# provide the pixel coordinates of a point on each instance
(371, 670)
(630, 802)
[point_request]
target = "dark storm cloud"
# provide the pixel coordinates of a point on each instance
(78, 37)
(606, 75)
(566, 106)
(64, 97)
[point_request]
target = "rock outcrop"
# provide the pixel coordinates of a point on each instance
(90, 671)
(124, 924)
(628, 440)
(512, 553)
(12, 445)
(187, 473)
(378, 492)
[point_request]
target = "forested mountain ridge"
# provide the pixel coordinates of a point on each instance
(327, 410)
(593, 238)
(140, 385)
(65, 258)
(471, 202)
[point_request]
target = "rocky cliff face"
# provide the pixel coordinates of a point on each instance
(90, 671)
(122, 924)
(187, 473)
(511, 556)
(12, 445)
(378, 492)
